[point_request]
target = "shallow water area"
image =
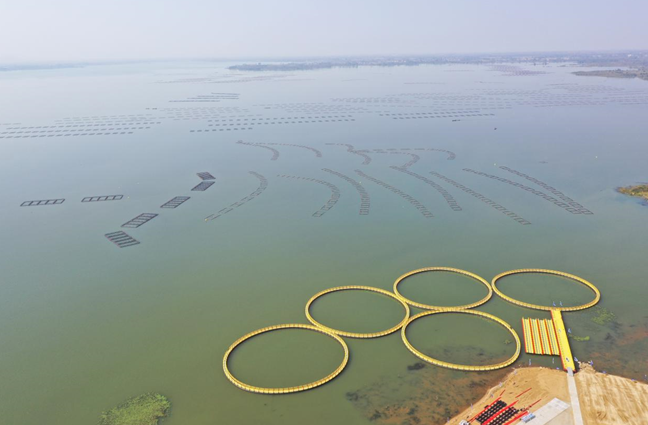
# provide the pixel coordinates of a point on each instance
(461, 339)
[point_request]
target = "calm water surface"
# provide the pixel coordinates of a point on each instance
(84, 325)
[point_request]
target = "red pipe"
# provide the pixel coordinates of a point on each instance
(534, 404)
(523, 392)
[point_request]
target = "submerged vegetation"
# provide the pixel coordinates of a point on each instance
(145, 409)
(602, 316)
(579, 338)
(639, 191)
(416, 366)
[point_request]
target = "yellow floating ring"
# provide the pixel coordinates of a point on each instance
(443, 269)
(449, 365)
(284, 390)
(552, 272)
(355, 334)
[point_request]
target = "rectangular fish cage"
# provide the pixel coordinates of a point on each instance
(206, 176)
(102, 198)
(139, 220)
(121, 239)
(42, 202)
(201, 187)
(175, 202)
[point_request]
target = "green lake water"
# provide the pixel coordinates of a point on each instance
(85, 325)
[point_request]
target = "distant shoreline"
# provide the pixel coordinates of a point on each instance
(634, 60)
(641, 73)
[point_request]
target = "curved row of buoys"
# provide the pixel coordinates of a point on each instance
(420, 355)
(355, 334)
(406, 303)
(285, 390)
(444, 269)
(597, 293)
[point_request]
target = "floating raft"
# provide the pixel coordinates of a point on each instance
(42, 202)
(548, 337)
(102, 198)
(203, 186)
(139, 220)
(175, 202)
(206, 176)
(121, 239)
(540, 337)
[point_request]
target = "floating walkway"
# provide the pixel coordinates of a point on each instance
(365, 201)
(566, 356)
(419, 206)
(335, 193)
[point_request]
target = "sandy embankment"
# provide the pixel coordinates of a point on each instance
(604, 399)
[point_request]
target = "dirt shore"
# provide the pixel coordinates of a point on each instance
(604, 399)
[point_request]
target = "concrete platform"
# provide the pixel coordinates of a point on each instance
(550, 411)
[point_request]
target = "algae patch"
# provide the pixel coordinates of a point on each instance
(145, 409)
(580, 338)
(602, 316)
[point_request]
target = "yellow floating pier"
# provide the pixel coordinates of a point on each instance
(563, 342)
(548, 337)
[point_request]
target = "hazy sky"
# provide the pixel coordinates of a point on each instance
(47, 30)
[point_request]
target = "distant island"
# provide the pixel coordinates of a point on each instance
(641, 73)
(639, 191)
